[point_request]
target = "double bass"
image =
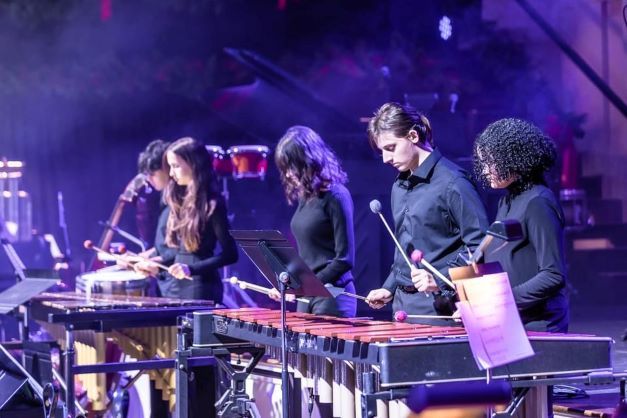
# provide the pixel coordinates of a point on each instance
(128, 196)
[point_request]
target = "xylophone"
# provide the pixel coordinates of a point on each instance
(354, 363)
(143, 327)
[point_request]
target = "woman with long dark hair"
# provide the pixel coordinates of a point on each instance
(323, 221)
(197, 221)
(514, 155)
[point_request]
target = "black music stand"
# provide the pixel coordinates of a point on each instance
(281, 265)
(29, 283)
(23, 291)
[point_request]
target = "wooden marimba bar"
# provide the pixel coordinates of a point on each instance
(335, 380)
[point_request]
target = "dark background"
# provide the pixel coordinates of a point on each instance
(86, 85)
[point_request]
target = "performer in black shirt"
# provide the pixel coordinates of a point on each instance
(436, 210)
(196, 222)
(513, 154)
(151, 163)
(323, 221)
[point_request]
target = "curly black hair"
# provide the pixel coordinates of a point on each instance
(513, 148)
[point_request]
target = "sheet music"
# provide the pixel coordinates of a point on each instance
(495, 330)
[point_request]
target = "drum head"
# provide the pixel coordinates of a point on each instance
(111, 276)
(116, 282)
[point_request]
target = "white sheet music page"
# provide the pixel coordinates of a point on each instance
(495, 330)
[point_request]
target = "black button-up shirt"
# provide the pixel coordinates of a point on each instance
(436, 210)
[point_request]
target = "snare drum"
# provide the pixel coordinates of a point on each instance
(221, 164)
(249, 161)
(116, 282)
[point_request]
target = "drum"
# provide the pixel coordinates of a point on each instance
(221, 164)
(112, 282)
(249, 161)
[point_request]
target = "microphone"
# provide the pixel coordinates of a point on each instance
(375, 207)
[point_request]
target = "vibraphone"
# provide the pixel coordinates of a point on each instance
(143, 327)
(376, 360)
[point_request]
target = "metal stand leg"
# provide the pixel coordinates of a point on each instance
(285, 381)
(225, 193)
(69, 374)
(235, 403)
(488, 379)
(182, 384)
(196, 384)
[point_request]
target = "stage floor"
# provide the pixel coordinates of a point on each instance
(608, 321)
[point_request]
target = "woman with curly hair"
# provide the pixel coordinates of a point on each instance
(197, 221)
(323, 221)
(513, 154)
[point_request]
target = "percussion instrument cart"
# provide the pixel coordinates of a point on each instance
(429, 356)
(233, 402)
(101, 314)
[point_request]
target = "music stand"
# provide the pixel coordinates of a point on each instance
(22, 292)
(281, 265)
(30, 283)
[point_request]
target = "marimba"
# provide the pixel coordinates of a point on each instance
(143, 327)
(373, 360)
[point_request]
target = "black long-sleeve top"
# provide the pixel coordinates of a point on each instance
(436, 210)
(162, 250)
(323, 228)
(204, 262)
(535, 264)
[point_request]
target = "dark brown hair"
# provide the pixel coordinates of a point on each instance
(399, 120)
(307, 157)
(191, 205)
(151, 159)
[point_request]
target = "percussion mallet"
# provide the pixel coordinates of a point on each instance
(260, 289)
(336, 291)
(90, 246)
(375, 207)
(402, 316)
(417, 257)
